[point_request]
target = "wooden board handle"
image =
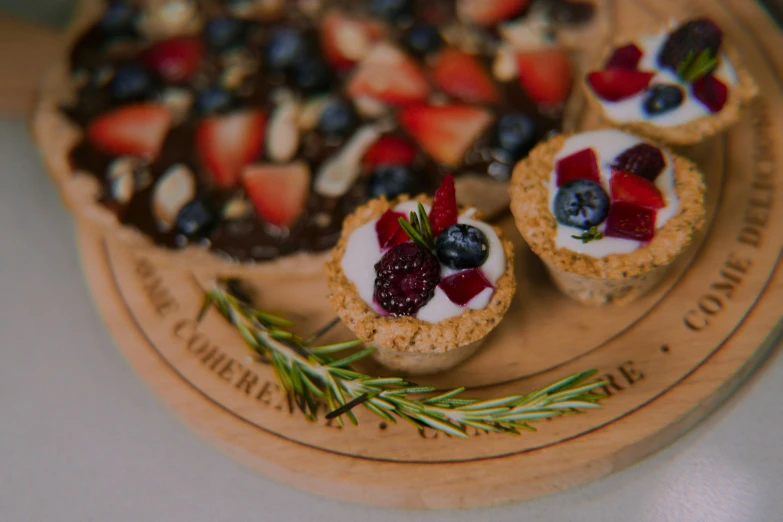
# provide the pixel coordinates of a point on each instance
(26, 50)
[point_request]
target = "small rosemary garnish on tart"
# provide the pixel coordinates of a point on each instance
(591, 234)
(313, 374)
(418, 228)
(694, 66)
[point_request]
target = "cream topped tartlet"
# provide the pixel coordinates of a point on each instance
(678, 85)
(606, 211)
(420, 281)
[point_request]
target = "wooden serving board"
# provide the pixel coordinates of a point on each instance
(669, 359)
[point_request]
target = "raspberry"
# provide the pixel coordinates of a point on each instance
(693, 37)
(405, 279)
(643, 160)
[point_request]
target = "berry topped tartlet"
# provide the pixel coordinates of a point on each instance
(678, 86)
(422, 283)
(606, 211)
(247, 130)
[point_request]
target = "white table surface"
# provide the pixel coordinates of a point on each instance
(83, 439)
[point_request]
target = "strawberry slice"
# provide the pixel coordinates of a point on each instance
(177, 59)
(635, 190)
(643, 159)
(345, 39)
(464, 286)
(278, 192)
(712, 92)
(546, 75)
(628, 221)
(445, 132)
(390, 150)
(227, 143)
(443, 213)
(625, 57)
(132, 130)
(388, 75)
(618, 84)
(487, 13)
(579, 165)
(389, 231)
(461, 75)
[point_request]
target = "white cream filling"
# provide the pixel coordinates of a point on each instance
(607, 145)
(631, 109)
(362, 253)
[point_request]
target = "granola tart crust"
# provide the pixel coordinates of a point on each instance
(695, 131)
(530, 207)
(409, 335)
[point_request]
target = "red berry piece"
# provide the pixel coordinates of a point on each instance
(227, 143)
(546, 75)
(405, 279)
(278, 192)
(690, 39)
(636, 190)
(461, 75)
(176, 59)
(643, 160)
(488, 12)
(137, 130)
(625, 57)
(464, 286)
(712, 92)
(628, 221)
(579, 165)
(443, 213)
(390, 150)
(389, 231)
(618, 84)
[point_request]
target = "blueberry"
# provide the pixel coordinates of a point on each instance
(130, 82)
(284, 48)
(312, 75)
(581, 203)
(392, 180)
(119, 18)
(515, 134)
(195, 219)
(214, 99)
(462, 246)
(662, 98)
(422, 39)
(224, 33)
(393, 10)
(338, 119)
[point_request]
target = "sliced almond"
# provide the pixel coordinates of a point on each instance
(121, 179)
(504, 68)
(237, 208)
(310, 113)
(370, 107)
(167, 18)
(352, 41)
(283, 132)
(178, 101)
(176, 187)
(527, 34)
(339, 172)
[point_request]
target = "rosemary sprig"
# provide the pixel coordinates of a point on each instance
(696, 65)
(418, 228)
(591, 234)
(313, 375)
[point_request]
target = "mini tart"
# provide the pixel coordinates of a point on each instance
(614, 278)
(694, 131)
(407, 344)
